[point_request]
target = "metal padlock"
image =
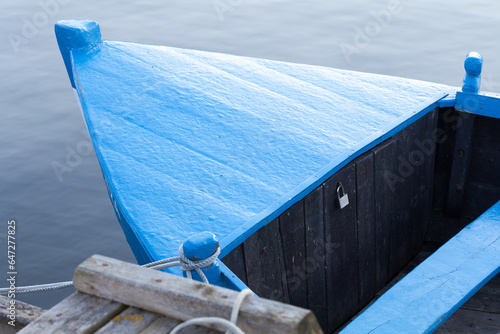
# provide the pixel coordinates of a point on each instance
(342, 198)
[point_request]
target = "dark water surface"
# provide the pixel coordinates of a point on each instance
(63, 219)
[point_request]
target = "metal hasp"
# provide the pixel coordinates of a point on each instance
(201, 246)
(470, 99)
(342, 197)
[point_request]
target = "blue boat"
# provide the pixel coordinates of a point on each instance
(309, 185)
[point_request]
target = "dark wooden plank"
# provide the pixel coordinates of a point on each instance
(479, 198)
(294, 253)
(460, 167)
(428, 145)
(366, 227)
(315, 260)
(400, 200)
(263, 260)
(235, 261)
(414, 186)
(445, 139)
(485, 161)
(487, 299)
(341, 249)
(470, 322)
(422, 158)
(384, 157)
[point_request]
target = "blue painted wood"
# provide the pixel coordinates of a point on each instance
(73, 35)
(473, 65)
(190, 141)
(469, 99)
(200, 246)
(483, 104)
(428, 295)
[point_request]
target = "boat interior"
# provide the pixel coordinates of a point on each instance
(405, 198)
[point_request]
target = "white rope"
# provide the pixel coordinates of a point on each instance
(186, 265)
(37, 288)
(230, 326)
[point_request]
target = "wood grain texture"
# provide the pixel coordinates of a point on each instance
(428, 145)
(78, 314)
(400, 199)
(263, 257)
(341, 249)
(471, 322)
(445, 144)
(292, 232)
(315, 250)
(235, 261)
(184, 299)
(130, 321)
(165, 325)
(25, 313)
(460, 167)
(384, 157)
(365, 227)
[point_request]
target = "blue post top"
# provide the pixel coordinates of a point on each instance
(200, 246)
(473, 65)
(76, 34)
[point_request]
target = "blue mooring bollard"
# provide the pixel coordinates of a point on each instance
(201, 246)
(473, 65)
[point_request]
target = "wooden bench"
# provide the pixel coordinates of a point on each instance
(429, 294)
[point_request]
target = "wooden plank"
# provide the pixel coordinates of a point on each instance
(315, 250)
(470, 322)
(25, 313)
(479, 198)
(413, 186)
(487, 299)
(130, 321)
(292, 234)
(445, 139)
(365, 227)
(428, 145)
(399, 253)
(235, 261)
(428, 295)
(341, 249)
(164, 324)
(184, 299)
(460, 167)
(79, 313)
(263, 256)
(384, 157)
(485, 161)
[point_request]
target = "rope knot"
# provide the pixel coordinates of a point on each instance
(189, 265)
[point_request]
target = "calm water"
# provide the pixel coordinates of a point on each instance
(63, 220)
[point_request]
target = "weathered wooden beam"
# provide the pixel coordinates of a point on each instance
(460, 166)
(77, 314)
(184, 299)
(25, 313)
